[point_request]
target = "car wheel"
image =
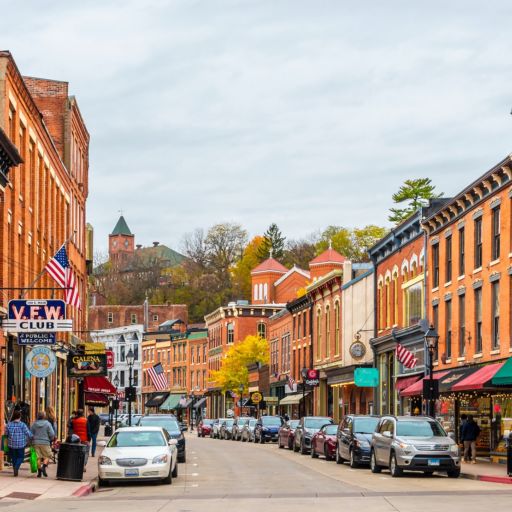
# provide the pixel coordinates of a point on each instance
(453, 473)
(353, 462)
(303, 449)
(374, 467)
(326, 454)
(168, 478)
(262, 440)
(175, 470)
(313, 453)
(394, 469)
(339, 458)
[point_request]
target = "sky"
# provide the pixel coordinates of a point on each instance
(304, 113)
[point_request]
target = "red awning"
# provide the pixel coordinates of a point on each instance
(417, 388)
(479, 379)
(99, 385)
(405, 382)
(95, 399)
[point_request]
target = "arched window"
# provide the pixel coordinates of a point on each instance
(318, 333)
(337, 327)
(327, 331)
(261, 292)
(388, 304)
(395, 305)
(255, 292)
(265, 292)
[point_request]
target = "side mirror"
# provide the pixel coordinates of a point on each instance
(387, 434)
(102, 444)
(173, 442)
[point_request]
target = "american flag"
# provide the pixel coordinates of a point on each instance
(405, 356)
(157, 376)
(58, 267)
(291, 382)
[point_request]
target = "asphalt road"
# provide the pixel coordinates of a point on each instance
(227, 475)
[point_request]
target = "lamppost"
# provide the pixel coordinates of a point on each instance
(241, 395)
(431, 340)
(130, 359)
(304, 373)
(115, 402)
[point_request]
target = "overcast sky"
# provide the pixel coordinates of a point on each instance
(303, 113)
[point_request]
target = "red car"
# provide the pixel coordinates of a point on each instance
(324, 442)
(204, 428)
(286, 433)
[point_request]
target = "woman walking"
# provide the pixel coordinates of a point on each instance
(44, 435)
(18, 435)
(52, 418)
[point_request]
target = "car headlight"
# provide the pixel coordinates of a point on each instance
(265, 429)
(161, 459)
(454, 449)
(406, 448)
(104, 461)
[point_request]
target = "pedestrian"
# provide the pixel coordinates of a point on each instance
(470, 433)
(43, 436)
(80, 428)
(93, 423)
(18, 435)
(463, 420)
(52, 418)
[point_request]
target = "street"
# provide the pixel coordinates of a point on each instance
(221, 475)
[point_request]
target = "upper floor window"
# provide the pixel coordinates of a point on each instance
(413, 304)
(435, 265)
(478, 320)
(318, 333)
(462, 251)
(231, 333)
(262, 330)
(448, 243)
(495, 309)
(448, 326)
(133, 318)
(327, 331)
(110, 317)
(155, 318)
(462, 325)
(478, 243)
(337, 327)
(496, 231)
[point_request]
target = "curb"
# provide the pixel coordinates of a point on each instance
(488, 478)
(85, 490)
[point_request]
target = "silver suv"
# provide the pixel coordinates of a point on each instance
(415, 443)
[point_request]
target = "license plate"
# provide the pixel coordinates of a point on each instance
(131, 472)
(434, 462)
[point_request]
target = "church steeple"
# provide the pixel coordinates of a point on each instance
(121, 228)
(121, 242)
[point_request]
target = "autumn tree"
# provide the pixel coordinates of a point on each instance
(416, 193)
(273, 239)
(300, 252)
(241, 271)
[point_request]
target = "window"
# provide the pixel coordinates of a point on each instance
(122, 353)
(448, 326)
(155, 318)
(495, 288)
(110, 317)
(448, 258)
(414, 304)
(133, 318)
(478, 243)
(298, 325)
(285, 353)
(462, 255)
(198, 354)
(262, 330)
(318, 333)
(478, 320)
(121, 379)
(395, 300)
(337, 327)
(273, 358)
(136, 352)
(496, 230)
(255, 292)
(327, 331)
(192, 356)
(435, 323)
(388, 304)
(435, 265)
(304, 325)
(462, 325)
(231, 333)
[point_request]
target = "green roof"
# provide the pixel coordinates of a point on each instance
(160, 253)
(503, 376)
(121, 228)
(197, 335)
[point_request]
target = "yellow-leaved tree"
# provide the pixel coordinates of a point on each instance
(233, 371)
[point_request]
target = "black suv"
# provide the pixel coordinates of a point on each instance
(354, 437)
(307, 427)
(174, 429)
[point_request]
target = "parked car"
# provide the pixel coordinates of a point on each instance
(135, 453)
(308, 426)
(170, 424)
(237, 428)
(204, 428)
(248, 430)
(324, 442)
(353, 439)
(225, 431)
(267, 428)
(216, 428)
(416, 443)
(286, 434)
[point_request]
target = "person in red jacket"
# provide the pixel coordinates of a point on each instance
(80, 428)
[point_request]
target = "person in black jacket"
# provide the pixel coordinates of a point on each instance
(93, 424)
(470, 433)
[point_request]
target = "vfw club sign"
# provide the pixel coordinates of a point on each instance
(37, 316)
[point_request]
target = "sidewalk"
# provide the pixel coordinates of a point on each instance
(486, 472)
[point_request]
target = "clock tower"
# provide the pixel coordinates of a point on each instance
(121, 243)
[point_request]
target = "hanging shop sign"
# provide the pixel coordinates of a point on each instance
(110, 359)
(366, 377)
(312, 378)
(36, 338)
(83, 365)
(40, 362)
(37, 316)
(256, 397)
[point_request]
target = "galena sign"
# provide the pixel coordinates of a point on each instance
(37, 316)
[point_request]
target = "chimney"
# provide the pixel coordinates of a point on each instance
(155, 244)
(139, 246)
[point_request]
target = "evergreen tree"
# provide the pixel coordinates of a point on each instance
(272, 239)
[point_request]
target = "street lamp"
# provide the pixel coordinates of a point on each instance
(304, 373)
(115, 402)
(130, 359)
(431, 340)
(241, 389)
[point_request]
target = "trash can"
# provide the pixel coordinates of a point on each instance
(108, 430)
(509, 455)
(70, 464)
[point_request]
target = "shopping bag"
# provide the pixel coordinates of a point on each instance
(33, 460)
(5, 446)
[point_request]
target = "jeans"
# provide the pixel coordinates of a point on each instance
(469, 445)
(17, 456)
(93, 444)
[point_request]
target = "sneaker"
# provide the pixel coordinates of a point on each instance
(39, 473)
(473, 462)
(43, 470)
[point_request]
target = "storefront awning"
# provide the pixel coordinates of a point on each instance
(416, 389)
(172, 402)
(185, 404)
(404, 382)
(200, 403)
(478, 379)
(156, 399)
(503, 376)
(292, 399)
(454, 377)
(95, 399)
(99, 385)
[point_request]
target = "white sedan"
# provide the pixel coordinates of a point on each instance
(138, 453)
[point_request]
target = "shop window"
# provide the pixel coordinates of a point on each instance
(337, 327)
(462, 251)
(478, 320)
(478, 243)
(495, 307)
(496, 231)
(448, 327)
(462, 325)
(448, 269)
(435, 265)
(435, 323)
(414, 304)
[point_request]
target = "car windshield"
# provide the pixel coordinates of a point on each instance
(229, 423)
(418, 428)
(241, 422)
(293, 423)
(365, 425)
(252, 423)
(272, 421)
(331, 430)
(208, 422)
(140, 438)
(317, 423)
(170, 425)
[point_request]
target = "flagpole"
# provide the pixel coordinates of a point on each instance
(24, 291)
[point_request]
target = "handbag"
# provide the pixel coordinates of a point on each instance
(5, 445)
(33, 460)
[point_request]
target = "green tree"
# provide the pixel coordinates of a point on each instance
(300, 252)
(273, 239)
(241, 271)
(416, 193)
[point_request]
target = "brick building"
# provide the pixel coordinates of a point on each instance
(42, 205)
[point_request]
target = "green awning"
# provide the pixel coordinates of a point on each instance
(503, 376)
(171, 403)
